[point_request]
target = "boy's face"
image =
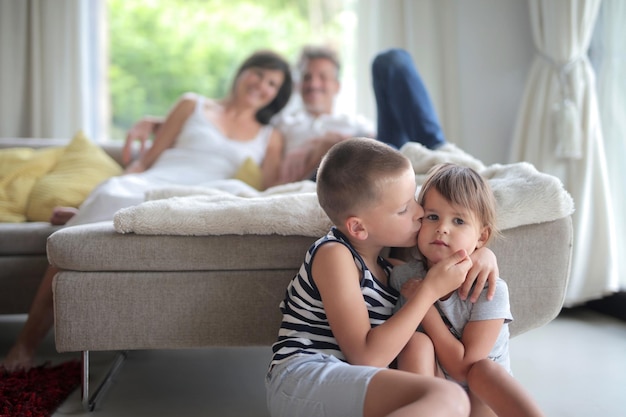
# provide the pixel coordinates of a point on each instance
(446, 228)
(395, 219)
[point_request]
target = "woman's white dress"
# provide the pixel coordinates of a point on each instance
(201, 156)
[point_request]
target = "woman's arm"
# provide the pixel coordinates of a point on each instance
(457, 356)
(141, 132)
(167, 133)
(337, 279)
(270, 168)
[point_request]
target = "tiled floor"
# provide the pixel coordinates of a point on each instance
(574, 366)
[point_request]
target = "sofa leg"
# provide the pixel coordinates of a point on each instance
(89, 403)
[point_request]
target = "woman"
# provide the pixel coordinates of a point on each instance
(202, 141)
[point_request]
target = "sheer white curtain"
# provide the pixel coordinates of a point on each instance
(610, 55)
(52, 71)
(558, 130)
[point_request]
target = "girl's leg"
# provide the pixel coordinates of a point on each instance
(396, 394)
(405, 111)
(418, 356)
(38, 324)
(479, 408)
(500, 391)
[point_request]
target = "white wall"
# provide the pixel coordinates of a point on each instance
(494, 56)
(474, 56)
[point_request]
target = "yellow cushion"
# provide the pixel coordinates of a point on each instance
(81, 167)
(20, 168)
(250, 173)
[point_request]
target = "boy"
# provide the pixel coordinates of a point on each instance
(338, 335)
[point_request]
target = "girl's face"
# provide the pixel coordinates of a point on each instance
(446, 228)
(394, 221)
(258, 86)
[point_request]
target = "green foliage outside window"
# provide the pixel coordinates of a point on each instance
(160, 49)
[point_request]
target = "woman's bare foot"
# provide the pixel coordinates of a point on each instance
(61, 215)
(18, 359)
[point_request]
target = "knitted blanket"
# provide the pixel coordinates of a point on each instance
(523, 196)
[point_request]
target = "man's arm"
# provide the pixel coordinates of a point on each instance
(300, 163)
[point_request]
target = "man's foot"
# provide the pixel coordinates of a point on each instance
(18, 359)
(61, 215)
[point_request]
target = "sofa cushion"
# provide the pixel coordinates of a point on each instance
(81, 167)
(98, 247)
(25, 239)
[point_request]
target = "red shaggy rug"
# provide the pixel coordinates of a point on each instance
(39, 391)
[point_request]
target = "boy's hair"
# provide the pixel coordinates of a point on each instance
(311, 52)
(353, 173)
(465, 187)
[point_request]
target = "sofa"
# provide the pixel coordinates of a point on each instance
(126, 291)
(23, 258)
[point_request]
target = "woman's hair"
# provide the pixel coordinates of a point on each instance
(353, 173)
(464, 187)
(267, 59)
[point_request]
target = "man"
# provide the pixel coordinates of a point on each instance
(313, 128)
(405, 112)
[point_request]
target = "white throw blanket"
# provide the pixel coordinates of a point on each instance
(524, 196)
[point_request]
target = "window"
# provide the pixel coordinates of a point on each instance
(160, 49)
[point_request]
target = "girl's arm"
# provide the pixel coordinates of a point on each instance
(270, 168)
(167, 133)
(457, 356)
(337, 278)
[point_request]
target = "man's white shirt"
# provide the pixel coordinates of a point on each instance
(298, 126)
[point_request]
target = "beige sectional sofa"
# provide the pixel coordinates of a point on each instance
(130, 291)
(23, 258)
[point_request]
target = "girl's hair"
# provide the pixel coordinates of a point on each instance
(464, 187)
(353, 173)
(267, 59)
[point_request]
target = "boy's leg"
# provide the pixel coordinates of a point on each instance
(405, 111)
(500, 391)
(396, 393)
(418, 356)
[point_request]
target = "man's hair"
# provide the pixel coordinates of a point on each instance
(464, 187)
(311, 52)
(267, 59)
(353, 173)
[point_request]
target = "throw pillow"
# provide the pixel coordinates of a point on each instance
(81, 167)
(20, 168)
(250, 173)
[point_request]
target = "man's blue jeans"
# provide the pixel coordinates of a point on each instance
(405, 112)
